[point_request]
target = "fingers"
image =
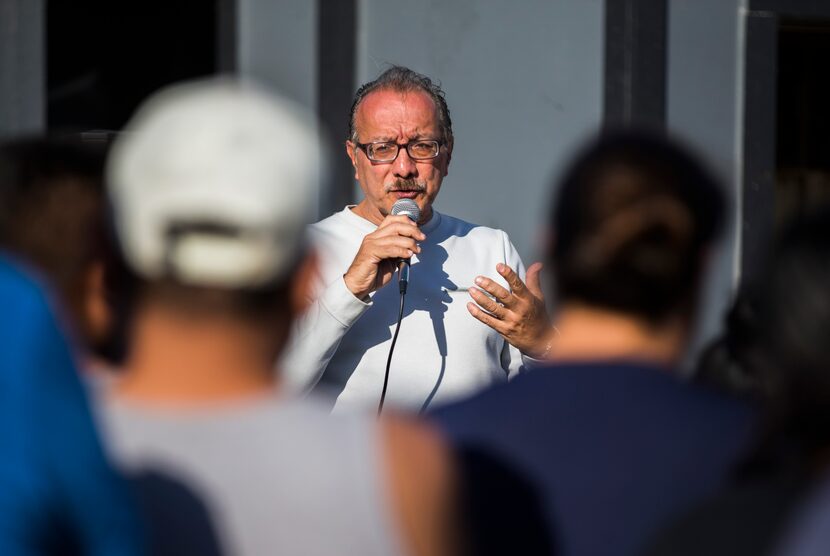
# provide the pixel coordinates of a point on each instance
(488, 303)
(493, 289)
(399, 229)
(400, 219)
(394, 247)
(513, 280)
(519, 316)
(485, 318)
(534, 284)
(517, 287)
(396, 238)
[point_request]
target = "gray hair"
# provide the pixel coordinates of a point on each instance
(401, 79)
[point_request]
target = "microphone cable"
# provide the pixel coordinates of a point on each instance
(409, 208)
(392, 348)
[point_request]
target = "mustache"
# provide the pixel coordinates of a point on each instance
(406, 185)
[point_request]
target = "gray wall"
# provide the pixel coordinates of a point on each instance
(22, 69)
(524, 85)
(705, 107)
(277, 44)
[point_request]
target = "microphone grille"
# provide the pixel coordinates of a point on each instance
(407, 207)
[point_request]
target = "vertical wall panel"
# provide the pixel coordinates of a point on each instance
(705, 108)
(22, 66)
(277, 44)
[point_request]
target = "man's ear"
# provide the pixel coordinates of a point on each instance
(351, 151)
(97, 313)
(302, 286)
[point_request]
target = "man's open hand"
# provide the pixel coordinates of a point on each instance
(519, 315)
(377, 258)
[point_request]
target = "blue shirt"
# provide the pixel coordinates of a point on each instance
(57, 492)
(611, 449)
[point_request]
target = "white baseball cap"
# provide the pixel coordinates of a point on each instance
(214, 182)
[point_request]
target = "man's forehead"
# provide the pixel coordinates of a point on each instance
(387, 111)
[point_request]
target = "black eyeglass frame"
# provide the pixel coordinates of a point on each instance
(365, 148)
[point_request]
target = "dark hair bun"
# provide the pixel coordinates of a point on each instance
(634, 214)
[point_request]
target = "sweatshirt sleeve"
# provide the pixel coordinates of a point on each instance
(512, 360)
(317, 335)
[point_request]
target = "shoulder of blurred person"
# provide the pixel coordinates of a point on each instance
(58, 491)
(598, 444)
(392, 481)
(423, 486)
(443, 497)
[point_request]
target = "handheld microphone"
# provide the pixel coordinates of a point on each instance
(410, 208)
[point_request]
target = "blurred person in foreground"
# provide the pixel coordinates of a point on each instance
(53, 217)
(58, 495)
(609, 435)
(212, 190)
(791, 363)
(400, 144)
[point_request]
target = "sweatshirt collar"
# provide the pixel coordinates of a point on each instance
(369, 227)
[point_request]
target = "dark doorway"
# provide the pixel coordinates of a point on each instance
(103, 58)
(803, 119)
(785, 169)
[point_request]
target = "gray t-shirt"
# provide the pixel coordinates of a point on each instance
(264, 477)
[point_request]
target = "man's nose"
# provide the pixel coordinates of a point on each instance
(404, 166)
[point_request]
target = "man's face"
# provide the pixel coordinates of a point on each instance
(401, 118)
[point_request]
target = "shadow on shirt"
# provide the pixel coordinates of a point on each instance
(176, 520)
(503, 513)
(429, 296)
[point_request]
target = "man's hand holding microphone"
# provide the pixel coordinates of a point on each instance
(381, 252)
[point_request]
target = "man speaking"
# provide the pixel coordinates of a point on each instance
(400, 144)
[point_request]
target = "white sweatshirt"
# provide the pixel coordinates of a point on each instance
(442, 352)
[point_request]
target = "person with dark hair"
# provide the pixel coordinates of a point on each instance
(793, 324)
(790, 364)
(58, 493)
(400, 143)
(612, 439)
(212, 189)
(53, 217)
(728, 361)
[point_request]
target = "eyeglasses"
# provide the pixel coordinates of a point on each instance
(387, 151)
